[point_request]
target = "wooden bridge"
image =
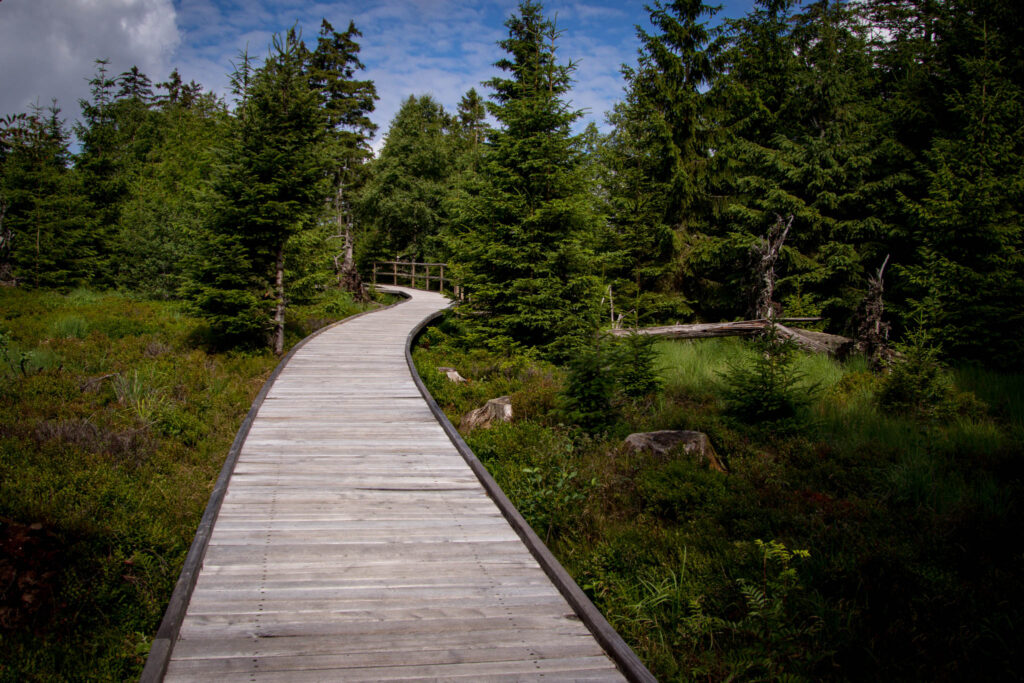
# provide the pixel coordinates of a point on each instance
(353, 536)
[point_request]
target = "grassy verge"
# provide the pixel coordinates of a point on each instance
(856, 544)
(114, 423)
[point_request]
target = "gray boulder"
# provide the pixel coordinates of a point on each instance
(661, 443)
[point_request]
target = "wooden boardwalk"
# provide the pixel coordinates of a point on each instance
(355, 543)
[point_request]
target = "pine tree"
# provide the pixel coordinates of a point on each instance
(117, 133)
(162, 215)
(521, 239)
(967, 227)
(271, 186)
(43, 213)
(403, 201)
(799, 139)
(471, 114)
(347, 103)
(658, 157)
(676, 64)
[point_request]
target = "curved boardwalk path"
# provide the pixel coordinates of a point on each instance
(355, 543)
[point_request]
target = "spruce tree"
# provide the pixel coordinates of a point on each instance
(43, 212)
(271, 187)
(966, 226)
(403, 201)
(162, 215)
(347, 103)
(117, 133)
(521, 246)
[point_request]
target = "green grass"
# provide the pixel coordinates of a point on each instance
(910, 573)
(114, 424)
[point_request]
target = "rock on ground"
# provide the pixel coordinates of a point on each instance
(661, 443)
(452, 375)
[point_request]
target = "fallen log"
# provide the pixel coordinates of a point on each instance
(819, 342)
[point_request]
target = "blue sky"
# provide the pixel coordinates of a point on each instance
(436, 47)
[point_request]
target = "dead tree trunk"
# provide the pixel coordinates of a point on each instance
(348, 275)
(819, 342)
(873, 333)
(767, 252)
(279, 294)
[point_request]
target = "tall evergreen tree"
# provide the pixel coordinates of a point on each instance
(403, 201)
(162, 215)
(965, 223)
(347, 103)
(521, 240)
(471, 114)
(117, 133)
(271, 187)
(43, 213)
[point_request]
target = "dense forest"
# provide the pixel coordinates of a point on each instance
(870, 153)
(884, 132)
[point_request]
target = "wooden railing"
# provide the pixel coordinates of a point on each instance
(414, 274)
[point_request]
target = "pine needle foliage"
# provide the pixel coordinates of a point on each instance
(520, 242)
(767, 389)
(271, 186)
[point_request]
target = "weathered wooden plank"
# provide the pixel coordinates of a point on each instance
(566, 668)
(320, 645)
(263, 663)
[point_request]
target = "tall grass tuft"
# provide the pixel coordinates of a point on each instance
(71, 327)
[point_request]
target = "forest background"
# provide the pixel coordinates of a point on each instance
(885, 134)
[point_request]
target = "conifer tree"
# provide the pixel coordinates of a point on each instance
(966, 226)
(117, 133)
(347, 103)
(403, 201)
(161, 216)
(658, 157)
(43, 214)
(471, 114)
(271, 187)
(522, 237)
(676, 64)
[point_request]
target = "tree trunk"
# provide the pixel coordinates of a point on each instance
(348, 276)
(819, 342)
(279, 291)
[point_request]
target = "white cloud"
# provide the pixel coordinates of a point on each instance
(49, 46)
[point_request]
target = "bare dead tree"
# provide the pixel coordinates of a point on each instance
(6, 238)
(767, 251)
(873, 333)
(344, 261)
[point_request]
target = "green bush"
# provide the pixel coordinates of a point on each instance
(636, 370)
(768, 388)
(919, 385)
(586, 397)
(680, 488)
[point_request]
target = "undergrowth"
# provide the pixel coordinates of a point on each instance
(114, 423)
(861, 542)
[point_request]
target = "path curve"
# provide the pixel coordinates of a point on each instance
(353, 541)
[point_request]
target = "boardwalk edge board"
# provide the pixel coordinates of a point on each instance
(608, 637)
(160, 649)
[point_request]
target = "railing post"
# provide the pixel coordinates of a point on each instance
(440, 281)
(394, 267)
(374, 273)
